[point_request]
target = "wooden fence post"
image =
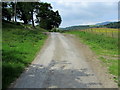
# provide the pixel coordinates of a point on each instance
(106, 32)
(112, 33)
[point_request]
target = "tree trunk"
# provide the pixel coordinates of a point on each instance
(15, 11)
(32, 19)
(25, 21)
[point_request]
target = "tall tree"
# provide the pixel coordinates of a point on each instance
(14, 8)
(23, 12)
(6, 11)
(47, 18)
(32, 7)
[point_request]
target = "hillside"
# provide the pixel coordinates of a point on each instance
(113, 25)
(20, 46)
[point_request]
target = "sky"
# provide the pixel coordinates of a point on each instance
(84, 12)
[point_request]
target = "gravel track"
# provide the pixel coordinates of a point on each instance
(61, 64)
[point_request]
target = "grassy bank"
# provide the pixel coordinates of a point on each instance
(20, 46)
(106, 48)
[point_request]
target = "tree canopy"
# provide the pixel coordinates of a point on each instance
(27, 11)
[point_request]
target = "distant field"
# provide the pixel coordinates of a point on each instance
(110, 32)
(20, 46)
(106, 48)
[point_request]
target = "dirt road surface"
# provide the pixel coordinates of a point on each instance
(64, 62)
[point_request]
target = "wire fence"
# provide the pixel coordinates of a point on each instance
(104, 31)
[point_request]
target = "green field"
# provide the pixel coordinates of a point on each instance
(20, 46)
(106, 48)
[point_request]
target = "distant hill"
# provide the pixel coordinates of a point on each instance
(103, 23)
(76, 27)
(98, 25)
(113, 25)
(79, 27)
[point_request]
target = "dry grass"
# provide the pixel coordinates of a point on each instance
(110, 32)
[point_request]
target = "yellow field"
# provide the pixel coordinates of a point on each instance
(105, 31)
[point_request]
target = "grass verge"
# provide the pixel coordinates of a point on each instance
(106, 49)
(19, 48)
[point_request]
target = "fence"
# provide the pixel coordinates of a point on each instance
(104, 31)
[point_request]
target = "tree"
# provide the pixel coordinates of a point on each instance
(14, 8)
(32, 7)
(47, 18)
(6, 11)
(56, 19)
(32, 12)
(23, 12)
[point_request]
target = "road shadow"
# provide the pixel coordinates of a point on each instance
(54, 77)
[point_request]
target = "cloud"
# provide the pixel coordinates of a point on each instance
(76, 13)
(63, 1)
